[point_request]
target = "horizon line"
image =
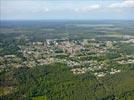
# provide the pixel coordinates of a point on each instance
(63, 19)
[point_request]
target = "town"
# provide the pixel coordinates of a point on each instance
(81, 56)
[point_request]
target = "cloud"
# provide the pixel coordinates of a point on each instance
(118, 6)
(124, 4)
(45, 9)
(87, 8)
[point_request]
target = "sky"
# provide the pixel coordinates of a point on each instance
(66, 9)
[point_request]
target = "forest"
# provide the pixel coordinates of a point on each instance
(55, 81)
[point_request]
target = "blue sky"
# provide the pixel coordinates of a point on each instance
(66, 9)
